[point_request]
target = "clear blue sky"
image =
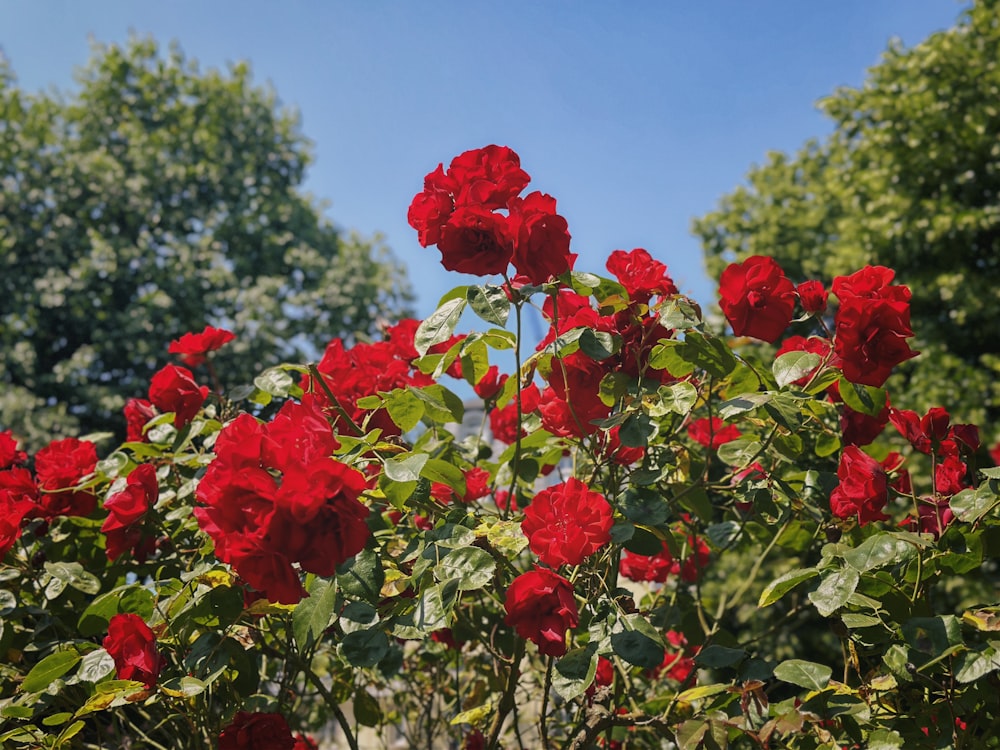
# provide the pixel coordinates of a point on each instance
(635, 116)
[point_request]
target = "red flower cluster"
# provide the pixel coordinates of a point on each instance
(677, 664)
(9, 454)
(459, 211)
(712, 432)
(642, 275)
(193, 347)
(132, 645)
(658, 567)
(863, 490)
(257, 731)
(757, 298)
(871, 324)
(126, 510)
(273, 496)
(567, 523)
(18, 498)
(59, 467)
(541, 608)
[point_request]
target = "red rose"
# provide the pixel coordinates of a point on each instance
(18, 495)
(541, 238)
(138, 412)
(812, 296)
(304, 742)
(676, 665)
(815, 345)
(541, 608)
(656, 567)
(712, 432)
(933, 516)
(431, 208)
(476, 241)
(59, 466)
(490, 384)
(9, 454)
(567, 523)
(489, 177)
(640, 274)
(503, 422)
(863, 490)
(756, 298)
(871, 282)
(576, 379)
(174, 389)
(194, 346)
(871, 338)
(858, 428)
(126, 509)
(132, 645)
(949, 476)
(257, 731)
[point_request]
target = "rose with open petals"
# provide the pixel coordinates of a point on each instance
(541, 238)
(863, 490)
(132, 645)
(567, 523)
(9, 454)
(126, 509)
(640, 274)
(541, 607)
(194, 346)
(174, 389)
(871, 338)
(756, 298)
(476, 241)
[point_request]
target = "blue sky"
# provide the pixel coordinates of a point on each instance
(635, 116)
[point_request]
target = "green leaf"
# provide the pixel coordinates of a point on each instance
(574, 672)
(314, 614)
(636, 431)
(435, 606)
(439, 326)
(472, 567)
(599, 345)
(367, 710)
(362, 577)
(933, 635)
(48, 670)
(862, 398)
(404, 408)
(740, 452)
(973, 665)
(678, 398)
(639, 644)
(679, 313)
(884, 739)
(405, 467)
(365, 648)
(672, 357)
(72, 575)
(490, 303)
(992, 472)
(791, 366)
(133, 599)
(805, 674)
(878, 550)
(710, 354)
(95, 666)
(440, 404)
(276, 382)
(782, 585)
(437, 470)
(971, 505)
(742, 404)
(835, 590)
(719, 657)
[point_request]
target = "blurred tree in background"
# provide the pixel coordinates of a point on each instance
(910, 179)
(153, 200)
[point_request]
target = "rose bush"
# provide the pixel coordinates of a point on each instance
(652, 535)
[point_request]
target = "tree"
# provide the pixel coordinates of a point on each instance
(909, 179)
(153, 200)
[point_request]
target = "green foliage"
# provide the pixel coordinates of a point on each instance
(154, 199)
(909, 179)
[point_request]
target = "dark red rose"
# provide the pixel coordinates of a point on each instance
(18, 495)
(194, 346)
(863, 490)
(9, 454)
(173, 389)
(541, 238)
(503, 422)
(567, 523)
(540, 606)
(476, 241)
(812, 296)
(934, 516)
(950, 476)
(138, 412)
(304, 742)
(126, 509)
(257, 731)
(858, 428)
(60, 466)
(677, 664)
(656, 567)
(756, 298)
(431, 208)
(489, 384)
(871, 338)
(132, 645)
(712, 432)
(640, 274)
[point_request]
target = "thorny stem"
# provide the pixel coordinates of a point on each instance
(507, 699)
(543, 725)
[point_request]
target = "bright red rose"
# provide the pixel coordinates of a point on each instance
(677, 664)
(490, 177)
(576, 379)
(257, 731)
(9, 454)
(656, 567)
(863, 490)
(194, 346)
(756, 298)
(540, 606)
(812, 296)
(431, 208)
(123, 527)
(567, 523)
(138, 412)
(132, 645)
(489, 384)
(950, 476)
(640, 274)
(858, 428)
(712, 432)
(871, 282)
(304, 742)
(59, 466)
(503, 422)
(541, 238)
(871, 338)
(18, 494)
(476, 241)
(173, 389)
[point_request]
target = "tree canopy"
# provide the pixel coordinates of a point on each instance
(154, 199)
(909, 179)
